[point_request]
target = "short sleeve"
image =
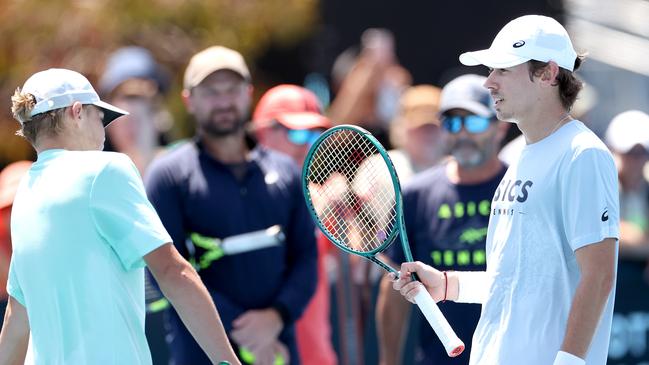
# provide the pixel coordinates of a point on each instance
(13, 285)
(123, 215)
(590, 199)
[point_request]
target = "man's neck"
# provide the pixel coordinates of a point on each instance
(58, 142)
(230, 149)
(543, 122)
(476, 175)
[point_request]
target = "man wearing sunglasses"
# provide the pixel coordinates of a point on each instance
(469, 120)
(446, 212)
(288, 119)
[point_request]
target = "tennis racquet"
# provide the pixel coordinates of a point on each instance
(352, 190)
(213, 249)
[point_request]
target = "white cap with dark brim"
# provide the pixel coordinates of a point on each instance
(58, 88)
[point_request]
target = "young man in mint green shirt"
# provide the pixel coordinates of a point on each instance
(82, 232)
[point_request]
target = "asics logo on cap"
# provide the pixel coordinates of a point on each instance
(518, 44)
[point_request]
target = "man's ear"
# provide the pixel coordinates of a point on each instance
(550, 73)
(76, 112)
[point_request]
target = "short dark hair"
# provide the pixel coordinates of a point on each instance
(569, 84)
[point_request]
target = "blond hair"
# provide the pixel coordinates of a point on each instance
(33, 127)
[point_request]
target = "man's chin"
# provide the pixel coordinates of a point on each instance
(505, 117)
(223, 132)
(468, 161)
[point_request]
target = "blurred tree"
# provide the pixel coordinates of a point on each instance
(79, 34)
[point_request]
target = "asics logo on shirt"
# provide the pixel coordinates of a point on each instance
(605, 215)
(509, 190)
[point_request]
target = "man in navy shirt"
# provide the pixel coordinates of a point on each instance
(216, 187)
(446, 212)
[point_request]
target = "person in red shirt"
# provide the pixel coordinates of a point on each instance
(9, 178)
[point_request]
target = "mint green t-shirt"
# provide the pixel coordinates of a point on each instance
(80, 226)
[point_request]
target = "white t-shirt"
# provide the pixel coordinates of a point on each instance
(560, 195)
(80, 225)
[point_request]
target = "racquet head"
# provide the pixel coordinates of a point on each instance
(353, 193)
(352, 190)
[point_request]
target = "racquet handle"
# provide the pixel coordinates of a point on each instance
(453, 345)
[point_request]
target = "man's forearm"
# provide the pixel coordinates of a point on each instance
(15, 335)
(182, 286)
(587, 306)
(597, 267)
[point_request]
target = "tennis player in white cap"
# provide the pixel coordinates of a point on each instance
(547, 293)
(82, 231)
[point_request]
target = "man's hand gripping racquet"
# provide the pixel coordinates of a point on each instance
(353, 193)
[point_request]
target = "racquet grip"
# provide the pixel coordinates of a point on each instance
(453, 345)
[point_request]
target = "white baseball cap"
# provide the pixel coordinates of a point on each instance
(529, 37)
(628, 129)
(58, 88)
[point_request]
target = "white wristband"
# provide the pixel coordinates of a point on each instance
(472, 286)
(564, 358)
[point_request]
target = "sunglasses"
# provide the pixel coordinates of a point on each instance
(303, 136)
(472, 123)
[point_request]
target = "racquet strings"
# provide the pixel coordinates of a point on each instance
(352, 192)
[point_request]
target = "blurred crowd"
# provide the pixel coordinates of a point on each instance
(291, 296)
